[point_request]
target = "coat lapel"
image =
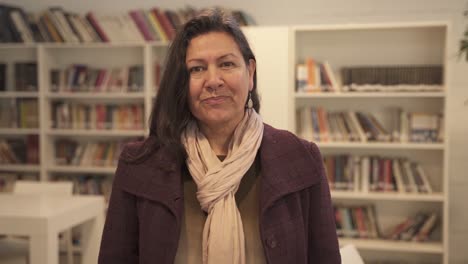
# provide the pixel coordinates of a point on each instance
(157, 179)
(287, 166)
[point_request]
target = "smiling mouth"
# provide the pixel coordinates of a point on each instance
(214, 100)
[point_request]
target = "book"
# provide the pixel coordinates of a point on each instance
(414, 228)
(6, 26)
(26, 76)
(93, 21)
(3, 81)
(426, 229)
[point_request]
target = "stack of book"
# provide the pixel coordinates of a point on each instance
(356, 221)
(319, 125)
(416, 228)
(25, 77)
(58, 25)
(376, 174)
(102, 154)
(392, 78)
(3, 78)
(71, 115)
(19, 113)
(20, 150)
(82, 78)
(313, 76)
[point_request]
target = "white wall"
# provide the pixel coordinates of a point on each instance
(268, 12)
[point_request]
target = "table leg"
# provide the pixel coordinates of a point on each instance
(91, 233)
(43, 249)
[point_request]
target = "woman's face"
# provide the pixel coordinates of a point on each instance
(219, 80)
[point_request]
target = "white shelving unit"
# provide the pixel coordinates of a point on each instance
(383, 44)
(105, 55)
(61, 55)
(11, 54)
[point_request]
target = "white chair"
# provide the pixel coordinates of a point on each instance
(13, 249)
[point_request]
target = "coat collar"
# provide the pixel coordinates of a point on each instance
(286, 166)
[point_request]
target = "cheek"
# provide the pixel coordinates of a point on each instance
(194, 93)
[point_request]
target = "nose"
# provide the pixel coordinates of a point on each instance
(214, 78)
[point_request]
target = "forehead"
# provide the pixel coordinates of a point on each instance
(212, 44)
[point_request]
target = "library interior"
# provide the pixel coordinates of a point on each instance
(377, 87)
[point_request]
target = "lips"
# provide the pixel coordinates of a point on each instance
(215, 100)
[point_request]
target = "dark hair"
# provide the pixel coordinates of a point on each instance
(171, 114)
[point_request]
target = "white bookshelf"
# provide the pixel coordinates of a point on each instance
(11, 54)
(99, 55)
(61, 55)
(383, 44)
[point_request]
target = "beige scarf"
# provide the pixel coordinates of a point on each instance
(217, 182)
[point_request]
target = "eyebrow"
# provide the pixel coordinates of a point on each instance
(220, 58)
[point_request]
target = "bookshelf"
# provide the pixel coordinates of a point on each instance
(12, 127)
(390, 45)
(99, 56)
(49, 56)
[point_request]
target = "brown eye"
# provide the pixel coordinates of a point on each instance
(196, 69)
(227, 64)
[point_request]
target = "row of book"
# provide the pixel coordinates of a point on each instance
(25, 77)
(8, 179)
(320, 125)
(415, 228)
(19, 113)
(361, 222)
(20, 150)
(59, 25)
(79, 78)
(88, 184)
(376, 174)
(72, 115)
(356, 221)
(392, 75)
(102, 154)
(314, 76)
(82, 78)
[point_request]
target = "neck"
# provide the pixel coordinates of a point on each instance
(219, 136)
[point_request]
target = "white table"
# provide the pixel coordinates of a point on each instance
(43, 217)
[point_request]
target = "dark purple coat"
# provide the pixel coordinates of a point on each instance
(297, 222)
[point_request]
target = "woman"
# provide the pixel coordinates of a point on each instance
(212, 183)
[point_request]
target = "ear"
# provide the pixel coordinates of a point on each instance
(251, 68)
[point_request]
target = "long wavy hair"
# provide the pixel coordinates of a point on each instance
(171, 114)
